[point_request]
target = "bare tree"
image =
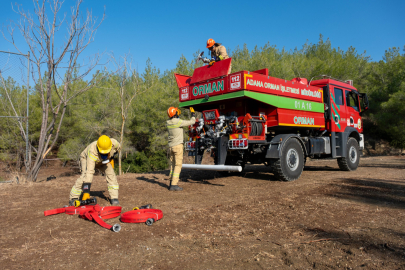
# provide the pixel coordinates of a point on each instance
(125, 81)
(55, 65)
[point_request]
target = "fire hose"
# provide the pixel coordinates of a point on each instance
(257, 129)
(142, 215)
(92, 212)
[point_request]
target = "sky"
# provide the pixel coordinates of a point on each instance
(164, 30)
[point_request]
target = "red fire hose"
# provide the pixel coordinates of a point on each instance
(92, 212)
(142, 215)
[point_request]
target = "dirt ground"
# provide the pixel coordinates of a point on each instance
(327, 219)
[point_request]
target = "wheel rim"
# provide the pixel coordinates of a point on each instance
(352, 154)
(292, 159)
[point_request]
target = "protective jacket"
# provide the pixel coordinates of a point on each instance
(174, 126)
(219, 52)
(93, 158)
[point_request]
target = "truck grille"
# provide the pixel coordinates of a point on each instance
(238, 144)
(190, 146)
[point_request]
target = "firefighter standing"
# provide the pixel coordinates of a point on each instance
(175, 127)
(98, 153)
(218, 52)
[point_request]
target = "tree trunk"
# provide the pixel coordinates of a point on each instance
(33, 173)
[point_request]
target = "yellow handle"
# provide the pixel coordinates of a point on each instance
(136, 208)
(192, 110)
(211, 63)
(86, 196)
(77, 203)
(112, 163)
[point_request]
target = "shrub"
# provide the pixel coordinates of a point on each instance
(140, 162)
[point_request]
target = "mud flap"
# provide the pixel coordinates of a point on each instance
(277, 143)
(198, 153)
(222, 150)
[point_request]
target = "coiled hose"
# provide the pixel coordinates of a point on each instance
(256, 129)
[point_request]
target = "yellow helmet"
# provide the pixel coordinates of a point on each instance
(104, 144)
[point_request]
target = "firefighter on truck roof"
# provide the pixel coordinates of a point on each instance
(175, 128)
(98, 154)
(218, 52)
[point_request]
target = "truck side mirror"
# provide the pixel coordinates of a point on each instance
(364, 102)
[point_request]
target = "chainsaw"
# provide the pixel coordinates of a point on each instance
(204, 60)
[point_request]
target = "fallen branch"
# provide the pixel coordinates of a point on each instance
(319, 240)
(50, 233)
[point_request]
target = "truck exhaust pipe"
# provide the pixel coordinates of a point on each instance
(228, 168)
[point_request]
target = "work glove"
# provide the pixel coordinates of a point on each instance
(192, 112)
(206, 60)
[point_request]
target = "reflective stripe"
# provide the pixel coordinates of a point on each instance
(176, 125)
(91, 156)
(113, 187)
(75, 191)
(176, 174)
(171, 173)
(221, 57)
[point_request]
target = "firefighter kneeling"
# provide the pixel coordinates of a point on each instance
(99, 153)
(175, 127)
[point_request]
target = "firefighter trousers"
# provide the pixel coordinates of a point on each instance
(176, 161)
(111, 178)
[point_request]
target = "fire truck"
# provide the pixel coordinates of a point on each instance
(249, 117)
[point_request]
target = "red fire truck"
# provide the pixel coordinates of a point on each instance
(249, 117)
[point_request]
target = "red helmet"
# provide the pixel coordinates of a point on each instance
(172, 111)
(210, 43)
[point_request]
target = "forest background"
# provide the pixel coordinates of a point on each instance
(99, 110)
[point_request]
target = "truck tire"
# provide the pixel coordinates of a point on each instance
(290, 165)
(352, 159)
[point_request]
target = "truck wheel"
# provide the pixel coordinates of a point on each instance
(352, 159)
(289, 167)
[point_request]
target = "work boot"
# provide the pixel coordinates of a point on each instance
(115, 202)
(175, 188)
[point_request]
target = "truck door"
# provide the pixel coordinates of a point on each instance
(338, 110)
(338, 121)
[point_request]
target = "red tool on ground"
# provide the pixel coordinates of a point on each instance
(142, 214)
(92, 212)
